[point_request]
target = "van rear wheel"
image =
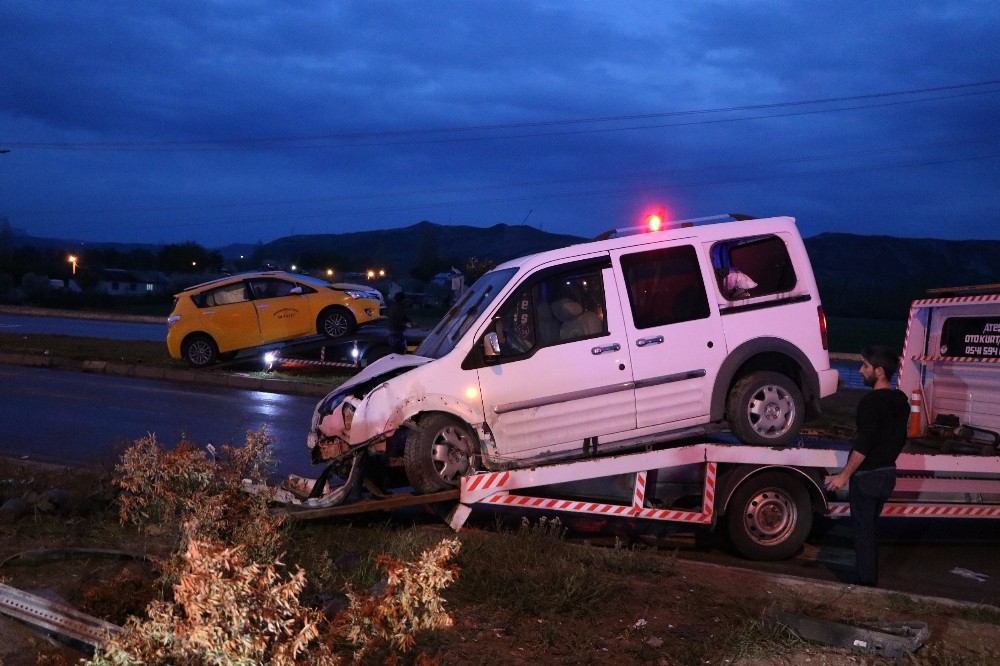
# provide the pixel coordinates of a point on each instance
(439, 452)
(765, 408)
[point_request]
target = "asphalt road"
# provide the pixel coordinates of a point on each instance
(84, 328)
(71, 417)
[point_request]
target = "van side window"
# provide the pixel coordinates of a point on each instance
(559, 308)
(755, 266)
(665, 286)
(224, 295)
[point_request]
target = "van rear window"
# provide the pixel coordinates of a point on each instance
(750, 267)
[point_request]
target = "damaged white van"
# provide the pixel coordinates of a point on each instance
(606, 346)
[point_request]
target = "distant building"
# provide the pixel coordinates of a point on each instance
(121, 282)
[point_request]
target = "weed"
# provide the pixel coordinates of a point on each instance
(752, 635)
(533, 571)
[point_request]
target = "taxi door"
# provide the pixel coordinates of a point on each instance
(283, 309)
(229, 316)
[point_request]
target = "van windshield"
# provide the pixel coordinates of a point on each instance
(467, 310)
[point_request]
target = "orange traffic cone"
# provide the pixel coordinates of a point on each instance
(916, 427)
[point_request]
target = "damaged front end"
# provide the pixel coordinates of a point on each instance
(361, 413)
(349, 426)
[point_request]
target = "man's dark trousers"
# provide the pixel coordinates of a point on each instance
(867, 493)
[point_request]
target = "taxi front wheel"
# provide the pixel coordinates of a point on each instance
(336, 322)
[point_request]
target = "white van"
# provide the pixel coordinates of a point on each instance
(600, 347)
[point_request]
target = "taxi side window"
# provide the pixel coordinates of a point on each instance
(224, 295)
(665, 286)
(275, 288)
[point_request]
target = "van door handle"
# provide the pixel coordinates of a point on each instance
(642, 342)
(610, 348)
(263, 306)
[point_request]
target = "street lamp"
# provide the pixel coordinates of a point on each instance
(73, 259)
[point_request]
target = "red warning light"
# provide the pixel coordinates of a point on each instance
(654, 222)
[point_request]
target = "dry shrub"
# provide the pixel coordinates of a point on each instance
(226, 610)
(233, 602)
(410, 603)
(201, 493)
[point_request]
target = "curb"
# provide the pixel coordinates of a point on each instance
(197, 377)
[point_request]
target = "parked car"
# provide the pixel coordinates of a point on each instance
(222, 317)
(600, 347)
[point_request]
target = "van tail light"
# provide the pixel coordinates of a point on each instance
(822, 327)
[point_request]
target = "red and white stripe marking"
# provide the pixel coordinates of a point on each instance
(842, 509)
(297, 362)
(498, 481)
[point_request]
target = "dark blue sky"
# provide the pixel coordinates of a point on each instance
(247, 121)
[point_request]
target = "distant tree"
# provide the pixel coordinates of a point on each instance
(475, 268)
(6, 243)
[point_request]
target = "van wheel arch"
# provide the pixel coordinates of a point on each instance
(765, 354)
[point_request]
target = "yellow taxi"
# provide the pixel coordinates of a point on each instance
(221, 317)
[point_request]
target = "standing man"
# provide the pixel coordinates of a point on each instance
(399, 321)
(871, 467)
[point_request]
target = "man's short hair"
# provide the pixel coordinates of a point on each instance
(882, 357)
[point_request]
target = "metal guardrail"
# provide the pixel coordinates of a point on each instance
(55, 617)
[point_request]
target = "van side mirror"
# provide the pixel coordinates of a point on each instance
(295, 290)
(491, 345)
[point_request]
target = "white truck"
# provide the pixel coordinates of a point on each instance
(766, 497)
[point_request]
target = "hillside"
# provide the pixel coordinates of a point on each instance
(878, 276)
(404, 248)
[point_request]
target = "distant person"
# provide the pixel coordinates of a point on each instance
(882, 419)
(399, 321)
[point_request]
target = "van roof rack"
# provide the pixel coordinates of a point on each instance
(676, 224)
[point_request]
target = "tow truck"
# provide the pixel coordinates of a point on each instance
(765, 498)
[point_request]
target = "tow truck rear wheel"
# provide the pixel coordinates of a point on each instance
(439, 452)
(769, 516)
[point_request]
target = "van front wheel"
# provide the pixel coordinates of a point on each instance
(439, 452)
